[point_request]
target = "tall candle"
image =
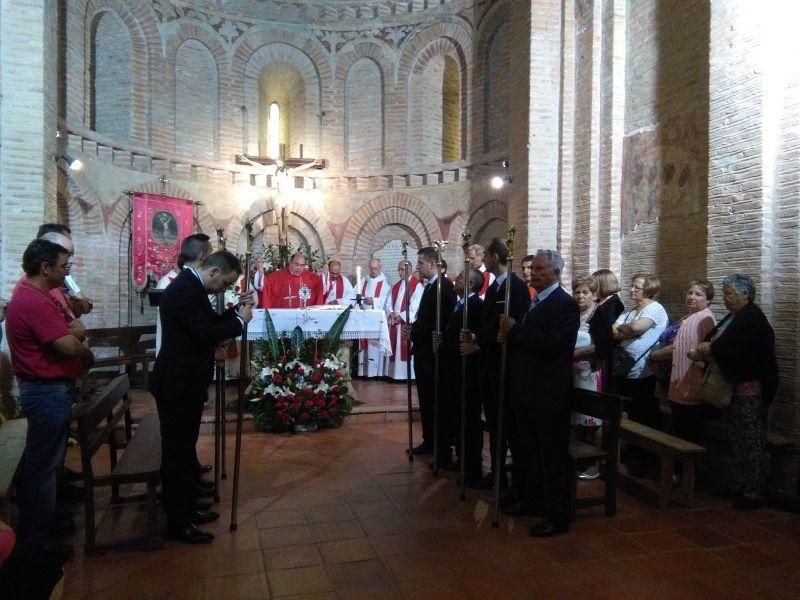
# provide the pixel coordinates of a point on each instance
(358, 279)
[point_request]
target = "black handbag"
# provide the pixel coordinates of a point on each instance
(621, 360)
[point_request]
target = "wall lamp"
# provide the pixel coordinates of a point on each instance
(498, 182)
(74, 164)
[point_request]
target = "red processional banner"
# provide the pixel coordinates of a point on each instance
(160, 224)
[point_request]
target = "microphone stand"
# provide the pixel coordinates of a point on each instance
(243, 362)
(500, 455)
(465, 239)
(408, 354)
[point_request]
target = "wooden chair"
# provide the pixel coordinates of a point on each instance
(607, 407)
(98, 421)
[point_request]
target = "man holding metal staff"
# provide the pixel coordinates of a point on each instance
(541, 385)
(421, 333)
(180, 380)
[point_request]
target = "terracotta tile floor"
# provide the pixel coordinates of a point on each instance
(343, 514)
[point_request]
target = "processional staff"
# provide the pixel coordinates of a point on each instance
(243, 362)
(408, 352)
(219, 406)
(465, 239)
(500, 454)
(439, 246)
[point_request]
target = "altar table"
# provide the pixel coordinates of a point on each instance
(316, 322)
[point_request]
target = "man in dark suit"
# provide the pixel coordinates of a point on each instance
(421, 333)
(485, 342)
(182, 373)
(541, 385)
(451, 365)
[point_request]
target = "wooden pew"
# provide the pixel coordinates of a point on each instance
(12, 446)
(607, 407)
(668, 448)
(98, 420)
(135, 346)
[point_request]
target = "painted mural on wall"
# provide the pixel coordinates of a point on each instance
(663, 171)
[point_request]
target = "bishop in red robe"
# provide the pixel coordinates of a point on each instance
(282, 289)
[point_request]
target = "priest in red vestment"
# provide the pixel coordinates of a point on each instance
(284, 288)
(397, 364)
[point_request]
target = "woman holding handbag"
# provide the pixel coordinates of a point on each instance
(637, 331)
(744, 351)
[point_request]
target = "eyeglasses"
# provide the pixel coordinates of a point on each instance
(637, 288)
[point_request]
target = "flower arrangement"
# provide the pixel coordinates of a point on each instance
(298, 383)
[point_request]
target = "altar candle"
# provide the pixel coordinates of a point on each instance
(358, 279)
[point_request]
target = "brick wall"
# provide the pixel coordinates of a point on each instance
(363, 116)
(196, 101)
(112, 81)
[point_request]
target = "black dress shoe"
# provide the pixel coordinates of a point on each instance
(189, 535)
(203, 493)
(548, 528)
(205, 469)
(202, 506)
(201, 517)
(421, 449)
(70, 494)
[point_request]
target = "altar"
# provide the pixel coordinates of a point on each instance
(317, 321)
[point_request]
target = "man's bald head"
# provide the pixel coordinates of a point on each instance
(374, 267)
(60, 239)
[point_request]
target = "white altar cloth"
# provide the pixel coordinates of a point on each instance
(316, 322)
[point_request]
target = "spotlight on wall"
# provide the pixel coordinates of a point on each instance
(74, 164)
(498, 181)
(504, 164)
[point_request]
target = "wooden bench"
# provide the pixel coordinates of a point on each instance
(607, 407)
(98, 422)
(12, 446)
(668, 448)
(135, 346)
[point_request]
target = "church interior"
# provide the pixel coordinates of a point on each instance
(641, 136)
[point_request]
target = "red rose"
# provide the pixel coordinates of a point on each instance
(281, 358)
(335, 389)
(301, 372)
(304, 417)
(276, 377)
(309, 391)
(317, 363)
(338, 374)
(320, 393)
(333, 399)
(316, 378)
(321, 402)
(230, 305)
(309, 404)
(236, 288)
(324, 414)
(331, 411)
(284, 417)
(295, 406)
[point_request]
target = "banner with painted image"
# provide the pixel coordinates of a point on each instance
(160, 224)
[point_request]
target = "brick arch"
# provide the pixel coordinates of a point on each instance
(488, 212)
(440, 46)
(280, 52)
(495, 18)
(371, 50)
(82, 203)
(457, 35)
(146, 44)
(389, 209)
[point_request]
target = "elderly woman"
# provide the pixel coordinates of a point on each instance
(743, 348)
(685, 378)
(637, 331)
(609, 307)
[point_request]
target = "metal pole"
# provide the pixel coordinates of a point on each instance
(500, 455)
(243, 361)
(219, 409)
(465, 239)
(439, 245)
(408, 354)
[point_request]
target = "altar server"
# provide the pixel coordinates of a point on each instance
(285, 288)
(396, 364)
(374, 292)
(337, 289)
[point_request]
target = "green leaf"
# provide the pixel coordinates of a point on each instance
(297, 337)
(334, 336)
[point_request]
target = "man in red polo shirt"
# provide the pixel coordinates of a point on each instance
(47, 358)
